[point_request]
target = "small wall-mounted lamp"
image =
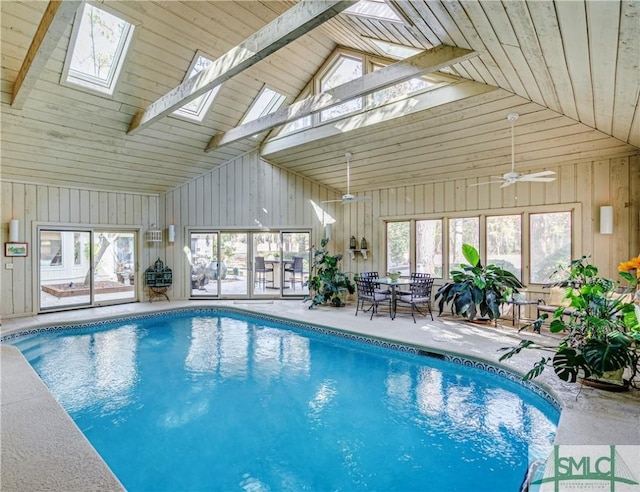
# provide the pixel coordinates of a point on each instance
(171, 234)
(14, 230)
(328, 231)
(606, 219)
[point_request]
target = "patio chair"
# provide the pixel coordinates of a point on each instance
(413, 276)
(368, 293)
(375, 275)
(261, 271)
(296, 271)
(419, 296)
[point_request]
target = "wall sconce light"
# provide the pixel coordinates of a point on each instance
(606, 219)
(328, 231)
(171, 234)
(14, 230)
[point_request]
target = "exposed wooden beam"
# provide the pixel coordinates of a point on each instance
(55, 20)
(415, 66)
(357, 123)
(291, 25)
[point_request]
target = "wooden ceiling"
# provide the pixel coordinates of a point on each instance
(570, 69)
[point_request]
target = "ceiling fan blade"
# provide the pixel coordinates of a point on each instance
(330, 201)
(486, 183)
(356, 199)
(507, 183)
(539, 174)
(535, 179)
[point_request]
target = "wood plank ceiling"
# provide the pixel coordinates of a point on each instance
(571, 69)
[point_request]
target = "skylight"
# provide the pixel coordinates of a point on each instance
(265, 103)
(99, 45)
(197, 109)
(395, 50)
(376, 9)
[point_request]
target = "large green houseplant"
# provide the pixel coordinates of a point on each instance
(601, 334)
(476, 287)
(327, 284)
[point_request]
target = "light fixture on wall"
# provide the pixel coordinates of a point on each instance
(606, 219)
(14, 230)
(171, 233)
(153, 235)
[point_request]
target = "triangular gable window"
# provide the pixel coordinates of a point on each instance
(376, 9)
(265, 103)
(402, 89)
(344, 69)
(197, 109)
(100, 42)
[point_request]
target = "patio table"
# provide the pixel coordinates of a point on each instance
(393, 284)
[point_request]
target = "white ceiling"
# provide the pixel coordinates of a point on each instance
(571, 69)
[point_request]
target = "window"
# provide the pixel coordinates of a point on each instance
(96, 54)
(197, 109)
(343, 70)
(376, 9)
(462, 231)
(50, 248)
(429, 247)
(398, 90)
(504, 240)
(550, 243)
(265, 103)
(398, 239)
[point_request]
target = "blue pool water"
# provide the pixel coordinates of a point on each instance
(230, 402)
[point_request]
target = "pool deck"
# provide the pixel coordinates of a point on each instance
(42, 448)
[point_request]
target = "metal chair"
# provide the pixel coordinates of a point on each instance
(368, 293)
(296, 271)
(375, 275)
(419, 296)
(412, 277)
(261, 271)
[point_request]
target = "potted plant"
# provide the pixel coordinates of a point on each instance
(601, 333)
(327, 284)
(477, 288)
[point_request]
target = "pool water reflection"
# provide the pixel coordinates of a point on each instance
(226, 402)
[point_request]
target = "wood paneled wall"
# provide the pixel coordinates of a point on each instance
(249, 193)
(246, 193)
(613, 182)
(54, 205)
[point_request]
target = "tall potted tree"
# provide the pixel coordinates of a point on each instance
(477, 288)
(327, 283)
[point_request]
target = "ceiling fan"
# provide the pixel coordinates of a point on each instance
(348, 197)
(512, 177)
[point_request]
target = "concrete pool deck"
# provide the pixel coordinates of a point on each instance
(42, 449)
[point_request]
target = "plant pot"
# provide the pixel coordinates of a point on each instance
(609, 381)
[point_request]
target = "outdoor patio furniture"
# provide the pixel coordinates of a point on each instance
(296, 271)
(261, 271)
(367, 293)
(419, 296)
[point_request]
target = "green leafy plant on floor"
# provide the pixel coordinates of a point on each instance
(327, 284)
(477, 288)
(600, 327)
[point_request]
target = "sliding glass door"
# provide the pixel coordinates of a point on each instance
(246, 264)
(85, 267)
(218, 264)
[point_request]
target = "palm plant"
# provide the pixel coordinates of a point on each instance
(477, 287)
